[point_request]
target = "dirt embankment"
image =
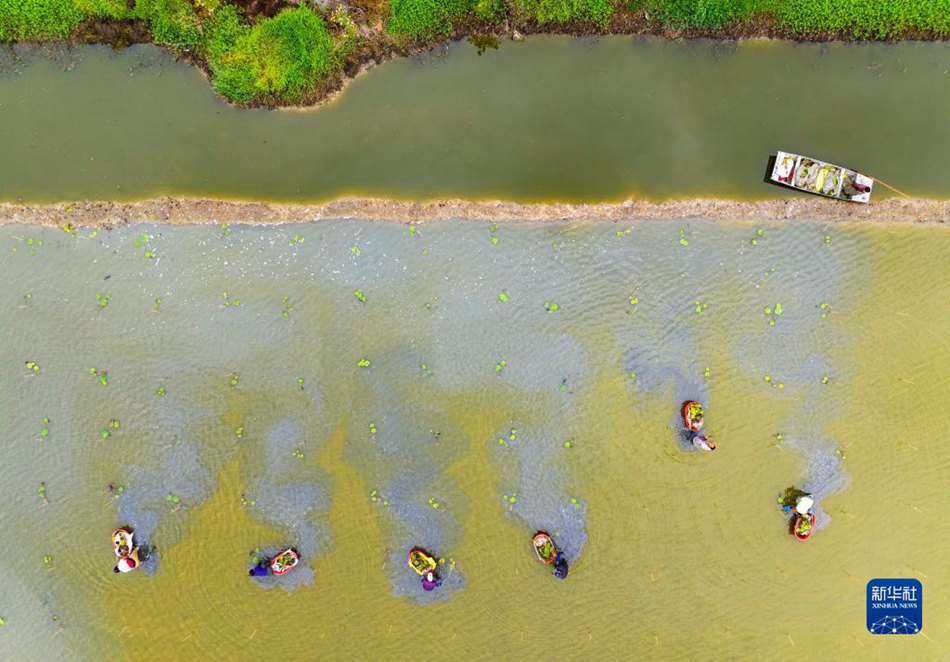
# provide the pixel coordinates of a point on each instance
(179, 211)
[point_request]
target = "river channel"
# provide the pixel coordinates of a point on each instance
(552, 118)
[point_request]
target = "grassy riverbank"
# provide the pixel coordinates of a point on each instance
(276, 52)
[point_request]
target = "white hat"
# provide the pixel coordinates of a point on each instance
(804, 504)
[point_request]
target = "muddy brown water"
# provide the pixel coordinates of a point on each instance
(552, 118)
(221, 450)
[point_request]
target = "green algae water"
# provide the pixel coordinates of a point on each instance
(355, 389)
(549, 119)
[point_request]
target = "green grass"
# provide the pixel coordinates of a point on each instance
(427, 19)
(171, 22)
(597, 12)
(864, 19)
(280, 58)
(698, 13)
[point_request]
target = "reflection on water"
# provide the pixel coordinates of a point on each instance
(357, 389)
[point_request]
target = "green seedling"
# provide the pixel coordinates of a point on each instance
(569, 443)
(355, 250)
(360, 296)
(435, 504)
(707, 371)
(239, 433)
(683, 240)
(156, 304)
(363, 363)
(287, 307)
(424, 370)
(102, 299)
(225, 229)
(503, 297)
(233, 379)
(300, 383)
(33, 366)
(500, 366)
(172, 498)
(623, 233)
(412, 230)
(700, 306)
(372, 429)
(161, 390)
(44, 431)
(298, 239)
(551, 307)
(228, 301)
(633, 303)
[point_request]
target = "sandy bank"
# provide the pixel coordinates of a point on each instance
(178, 211)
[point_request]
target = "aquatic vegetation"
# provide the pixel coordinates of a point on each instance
(501, 365)
(233, 380)
(44, 431)
(143, 242)
(435, 504)
(297, 239)
(228, 301)
(758, 235)
(300, 383)
(161, 391)
(156, 304)
(413, 230)
(32, 366)
(287, 307)
(512, 436)
(101, 375)
(355, 250)
(102, 299)
(492, 230)
(623, 233)
(424, 370)
(568, 444)
(683, 241)
(41, 492)
(376, 497)
(551, 307)
(360, 296)
(503, 297)
(363, 363)
(699, 306)
(633, 301)
(173, 499)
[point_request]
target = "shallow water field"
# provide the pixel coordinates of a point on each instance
(357, 389)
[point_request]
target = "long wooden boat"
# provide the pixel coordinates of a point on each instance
(813, 176)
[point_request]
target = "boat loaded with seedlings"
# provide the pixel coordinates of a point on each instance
(421, 561)
(814, 176)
